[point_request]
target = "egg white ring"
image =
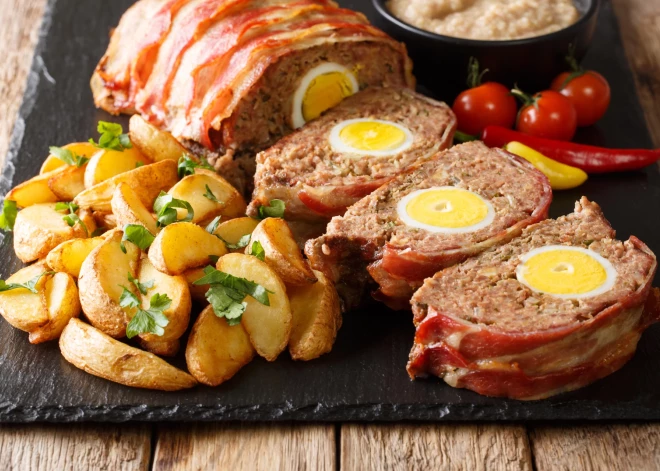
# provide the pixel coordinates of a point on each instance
(610, 271)
(297, 118)
(340, 146)
(409, 221)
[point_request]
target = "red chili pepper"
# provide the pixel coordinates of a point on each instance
(591, 159)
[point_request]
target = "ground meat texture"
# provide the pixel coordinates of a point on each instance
(396, 254)
(316, 182)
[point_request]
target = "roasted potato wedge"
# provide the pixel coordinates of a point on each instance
(34, 191)
(231, 231)
(69, 256)
(84, 149)
(107, 163)
(62, 303)
(282, 252)
(269, 327)
(176, 287)
(216, 350)
(96, 353)
(128, 209)
(197, 292)
(67, 183)
(316, 318)
(150, 179)
(192, 188)
(102, 275)
(162, 348)
(183, 245)
(22, 308)
(40, 228)
(155, 144)
(105, 220)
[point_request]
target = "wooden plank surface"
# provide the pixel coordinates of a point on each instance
(245, 447)
(74, 447)
(425, 447)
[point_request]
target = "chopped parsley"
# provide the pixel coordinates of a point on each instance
(145, 321)
(210, 196)
(258, 251)
(30, 285)
(68, 157)
(8, 216)
(274, 210)
(137, 234)
(141, 287)
(241, 244)
(165, 209)
(112, 137)
(187, 165)
(72, 218)
(213, 225)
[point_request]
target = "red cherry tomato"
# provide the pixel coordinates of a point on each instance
(588, 91)
(485, 105)
(547, 114)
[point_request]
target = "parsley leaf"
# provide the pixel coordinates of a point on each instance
(137, 234)
(274, 210)
(209, 195)
(68, 157)
(72, 218)
(142, 287)
(166, 214)
(226, 303)
(128, 298)
(150, 320)
(241, 244)
(8, 216)
(30, 285)
(258, 251)
(213, 225)
(112, 137)
(214, 259)
(187, 165)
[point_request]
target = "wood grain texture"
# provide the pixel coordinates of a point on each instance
(639, 21)
(423, 447)
(245, 447)
(597, 447)
(73, 447)
(19, 24)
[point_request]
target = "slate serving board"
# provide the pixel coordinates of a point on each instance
(364, 377)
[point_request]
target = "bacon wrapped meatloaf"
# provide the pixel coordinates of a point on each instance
(552, 311)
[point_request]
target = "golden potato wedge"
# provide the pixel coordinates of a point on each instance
(197, 292)
(282, 252)
(61, 294)
(155, 144)
(269, 327)
(102, 275)
(192, 188)
(231, 231)
(183, 245)
(216, 350)
(68, 183)
(162, 348)
(149, 179)
(96, 353)
(40, 228)
(84, 149)
(176, 287)
(34, 191)
(105, 220)
(22, 308)
(69, 256)
(316, 318)
(128, 209)
(107, 163)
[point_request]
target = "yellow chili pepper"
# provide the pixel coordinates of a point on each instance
(561, 176)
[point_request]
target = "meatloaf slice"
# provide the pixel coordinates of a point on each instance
(481, 326)
(318, 177)
(399, 256)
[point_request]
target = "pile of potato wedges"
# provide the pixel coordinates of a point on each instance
(117, 237)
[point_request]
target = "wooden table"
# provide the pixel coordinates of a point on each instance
(349, 446)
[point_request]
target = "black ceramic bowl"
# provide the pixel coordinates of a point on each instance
(440, 62)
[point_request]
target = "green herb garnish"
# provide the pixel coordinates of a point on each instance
(152, 320)
(165, 209)
(187, 165)
(209, 195)
(274, 210)
(137, 234)
(30, 285)
(112, 137)
(68, 157)
(72, 218)
(8, 216)
(258, 251)
(213, 225)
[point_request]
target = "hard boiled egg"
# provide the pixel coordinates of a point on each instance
(445, 209)
(374, 137)
(322, 88)
(566, 272)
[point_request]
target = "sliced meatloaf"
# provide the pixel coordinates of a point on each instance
(481, 325)
(318, 176)
(373, 238)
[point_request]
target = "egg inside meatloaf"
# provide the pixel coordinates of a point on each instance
(375, 242)
(483, 326)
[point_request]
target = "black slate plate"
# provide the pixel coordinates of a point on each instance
(364, 378)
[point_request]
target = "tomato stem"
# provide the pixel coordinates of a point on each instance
(576, 70)
(525, 98)
(474, 76)
(464, 137)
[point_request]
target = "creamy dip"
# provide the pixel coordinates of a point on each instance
(486, 19)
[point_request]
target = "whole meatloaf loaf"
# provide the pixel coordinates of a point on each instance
(552, 311)
(334, 161)
(462, 202)
(236, 75)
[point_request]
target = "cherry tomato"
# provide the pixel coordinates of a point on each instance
(485, 105)
(547, 114)
(588, 91)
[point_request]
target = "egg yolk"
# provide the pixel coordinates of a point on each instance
(324, 92)
(372, 135)
(447, 208)
(564, 272)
